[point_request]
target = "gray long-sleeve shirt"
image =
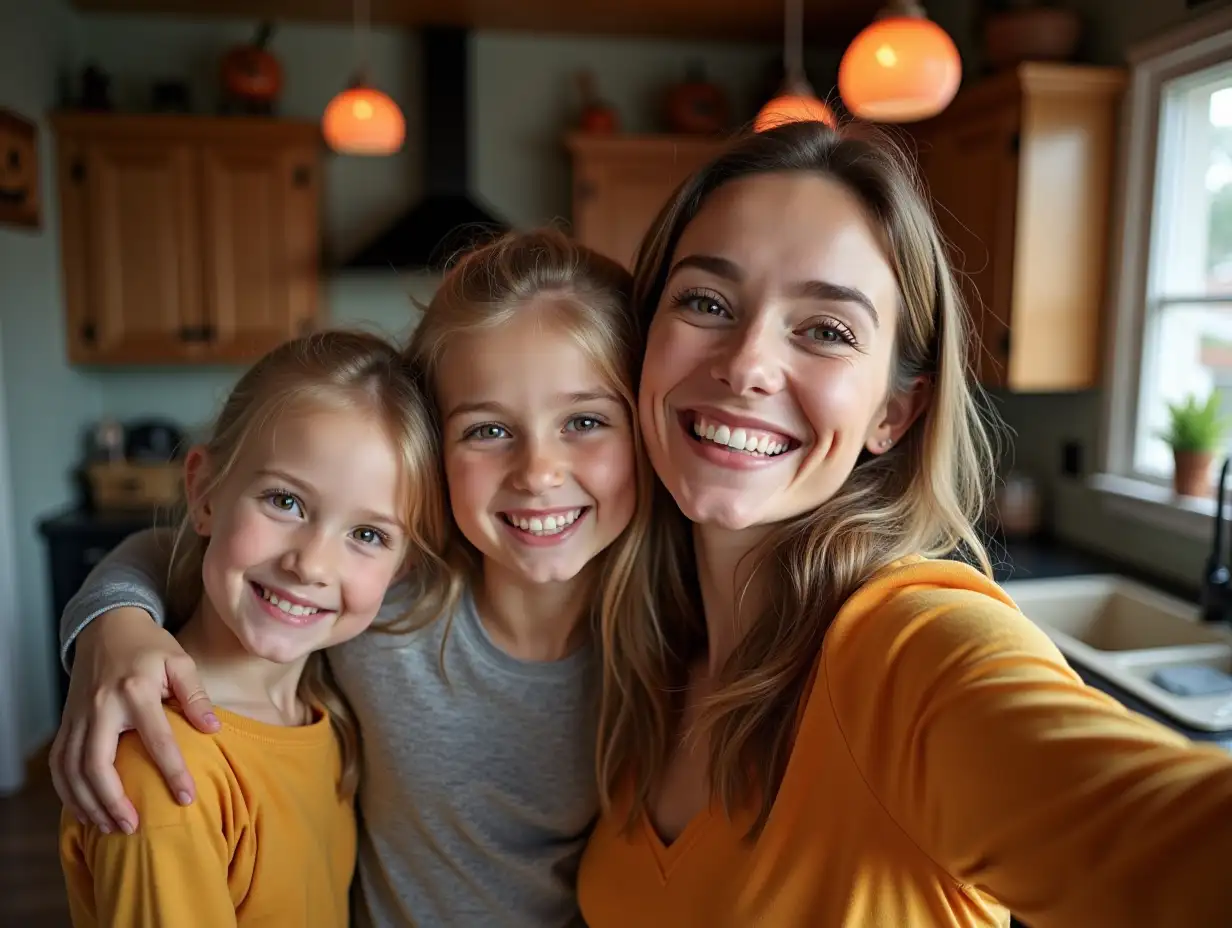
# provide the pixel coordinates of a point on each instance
(478, 788)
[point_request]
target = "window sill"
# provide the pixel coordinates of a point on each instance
(1156, 505)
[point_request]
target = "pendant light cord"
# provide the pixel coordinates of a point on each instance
(363, 24)
(793, 38)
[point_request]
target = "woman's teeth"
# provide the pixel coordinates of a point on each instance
(547, 525)
(287, 607)
(739, 439)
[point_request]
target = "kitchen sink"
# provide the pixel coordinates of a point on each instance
(1127, 632)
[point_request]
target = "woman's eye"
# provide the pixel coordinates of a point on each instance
(700, 301)
(705, 304)
(584, 424)
(829, 333)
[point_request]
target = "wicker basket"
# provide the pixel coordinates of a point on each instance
(123, 485)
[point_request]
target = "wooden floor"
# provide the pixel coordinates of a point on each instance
(31, 884)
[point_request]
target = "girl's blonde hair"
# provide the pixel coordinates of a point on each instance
(330, 370)
(590, 295)
(923, 496)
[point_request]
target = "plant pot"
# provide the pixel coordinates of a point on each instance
(1191, 474)
(1030, 33)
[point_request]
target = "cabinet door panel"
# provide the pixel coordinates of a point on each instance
(617, 194)
(133, 284)
(261, 251)
(972, 176)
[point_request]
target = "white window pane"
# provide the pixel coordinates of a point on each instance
(1191, 252)
(1219, 188)
(1187, 349)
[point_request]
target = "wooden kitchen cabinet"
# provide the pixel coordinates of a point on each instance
(186, 239)
(1020, 170)
(620, 182)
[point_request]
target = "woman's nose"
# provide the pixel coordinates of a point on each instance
(750, 361)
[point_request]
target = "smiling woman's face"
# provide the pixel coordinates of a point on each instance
(769, 356)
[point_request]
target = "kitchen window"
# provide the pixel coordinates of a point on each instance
(1187, 325)
(1170, 324)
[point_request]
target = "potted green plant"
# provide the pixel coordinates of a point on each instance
(1195, 432)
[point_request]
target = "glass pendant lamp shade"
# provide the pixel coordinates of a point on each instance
(796, 102)
(363, 121)
(901, 68)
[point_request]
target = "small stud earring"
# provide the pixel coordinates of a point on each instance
(886, 442)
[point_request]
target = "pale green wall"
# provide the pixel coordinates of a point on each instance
(46, 403)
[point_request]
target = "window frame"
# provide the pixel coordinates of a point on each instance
(1202, 43)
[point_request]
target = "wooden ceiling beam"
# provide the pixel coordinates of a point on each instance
(828, 23)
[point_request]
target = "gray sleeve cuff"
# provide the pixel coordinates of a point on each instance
(84, 609)
(134, 574)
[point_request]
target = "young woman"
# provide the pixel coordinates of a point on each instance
(295, 526)
(479, 698)
(840, 730)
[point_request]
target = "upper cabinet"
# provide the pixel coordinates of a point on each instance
(185, 238)
(620, 183)
(1020, 169)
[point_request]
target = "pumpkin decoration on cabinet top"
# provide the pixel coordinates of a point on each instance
(19, 175)
(251, 75)
(696, 106)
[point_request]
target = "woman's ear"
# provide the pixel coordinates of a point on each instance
(897, 414)
(196, 484)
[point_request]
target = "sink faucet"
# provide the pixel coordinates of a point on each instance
(1216, 594)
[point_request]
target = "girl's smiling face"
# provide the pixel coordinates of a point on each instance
(305, 532)
(539, 449)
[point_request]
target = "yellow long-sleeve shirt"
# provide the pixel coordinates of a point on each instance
(267, 841)
(949, 764)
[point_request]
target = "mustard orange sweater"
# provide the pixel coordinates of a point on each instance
(949, 765)
(267, 841)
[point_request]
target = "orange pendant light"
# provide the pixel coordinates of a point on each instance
(361, 120)
(902, 68)
(796, 101)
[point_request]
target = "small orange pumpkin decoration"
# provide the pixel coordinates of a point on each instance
(250, 73)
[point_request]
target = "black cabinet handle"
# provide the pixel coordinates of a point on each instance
(89, 333)
(197, 333)
(301, 176)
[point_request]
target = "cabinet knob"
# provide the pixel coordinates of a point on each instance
(584, 190)
(77, 171)
(89, 333)
(301, 176)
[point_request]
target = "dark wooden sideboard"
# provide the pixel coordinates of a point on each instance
(77, 539)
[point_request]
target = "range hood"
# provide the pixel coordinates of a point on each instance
(449, 217)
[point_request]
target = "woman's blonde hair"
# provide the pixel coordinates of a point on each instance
(923, 496)
(590, 297)
(330, 370)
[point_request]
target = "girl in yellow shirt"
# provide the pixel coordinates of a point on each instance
(316, 486)
(817, 725)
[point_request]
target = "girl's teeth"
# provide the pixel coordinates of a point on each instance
(288, 607)
(738, 439)
(548, 525)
